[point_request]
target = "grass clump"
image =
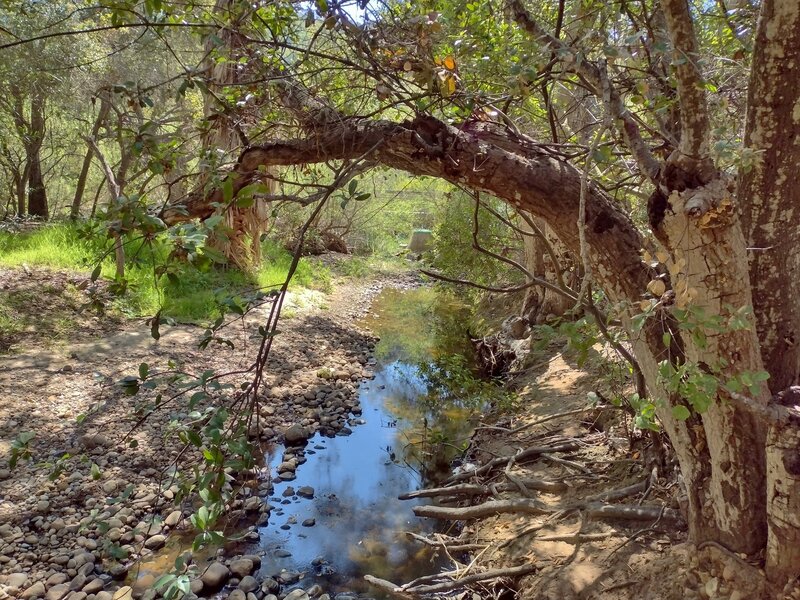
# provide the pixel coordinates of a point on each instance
(191, 294)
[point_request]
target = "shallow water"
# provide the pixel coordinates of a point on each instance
(360, 524)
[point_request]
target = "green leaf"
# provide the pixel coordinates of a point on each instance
(95, 472)
(227, 190)
(96, 272)
(154, 323)
(352, 187)
(144, 370)
(680, 412)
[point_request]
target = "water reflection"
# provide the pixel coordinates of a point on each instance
(359, 524)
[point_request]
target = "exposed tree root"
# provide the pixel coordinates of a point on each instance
(415, 588)
(523, 456)
(475, 489)
(487, 509)
(531, 507)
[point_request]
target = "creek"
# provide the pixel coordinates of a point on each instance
(339, 518)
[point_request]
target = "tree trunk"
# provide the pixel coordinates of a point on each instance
(37, 195)
(543, 259)
(21, 184)
(80, 187)
(769, 190)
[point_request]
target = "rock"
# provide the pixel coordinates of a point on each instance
(94, 586)
(315, 590)
(237, 595)
(297, 595)
(306, 491)
(118, 571)
(109, 487)
(56, 579)
(155, 542)
(214, 577)
(241, 567)
(255, 558)
(248, 584)
(288, 577)
(270, 585)
(57, 592)
(17, 580)
(123, 593)
(711, 587)
(295, 435)
(77, 596)
(96, 440)
(309, 522)
(173, 518)
(35, 591)
(103, 595)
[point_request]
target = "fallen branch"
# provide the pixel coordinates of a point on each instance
(612, 495)
(633, 513)
(476, 489)
(487, 509)
(475, 577)
(525, 455)
(389, 587)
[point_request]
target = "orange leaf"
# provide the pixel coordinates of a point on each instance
(450, 63)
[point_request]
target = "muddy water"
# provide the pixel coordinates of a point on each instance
(359, 524)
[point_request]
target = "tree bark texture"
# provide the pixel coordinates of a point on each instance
(37, 194)
(769, 191)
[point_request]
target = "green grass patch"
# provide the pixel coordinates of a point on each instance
(194, 295)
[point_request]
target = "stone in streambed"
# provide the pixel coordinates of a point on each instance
(214, 577)
(241, 567)
(295, 435)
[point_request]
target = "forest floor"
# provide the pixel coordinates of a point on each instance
(63, 362)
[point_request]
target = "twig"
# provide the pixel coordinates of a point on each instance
(567, 463)
(474, 578)
(528, 454)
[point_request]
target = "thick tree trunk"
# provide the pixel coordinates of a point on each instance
(769, 191)
(543, 259)
(37, 195)
(21, 185)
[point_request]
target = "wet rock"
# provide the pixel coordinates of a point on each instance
(215, 576)
(306, 491)
(288, 577)
(269, 585)
(34, 591)
(289, 491)
(155, 542)
(195, 586)
(241, 567)
(315, 590)
(309, 522)
(295, 435)
(248, 584)
(255, 558)
(281, 553)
